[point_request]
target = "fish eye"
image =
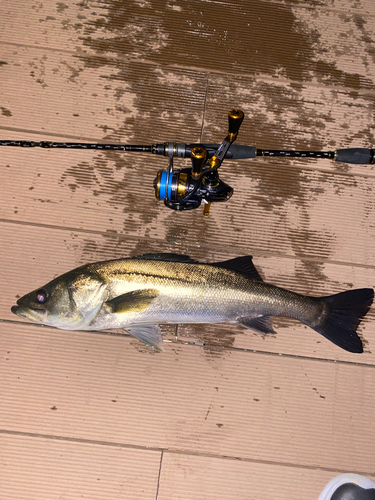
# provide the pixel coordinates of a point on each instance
(41, 296)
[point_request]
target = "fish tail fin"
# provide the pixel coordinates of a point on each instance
(345, 312)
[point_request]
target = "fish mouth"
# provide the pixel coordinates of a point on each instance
(14, 309)
(17, 310)
(25, 313)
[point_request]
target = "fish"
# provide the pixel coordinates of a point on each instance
(140, 293)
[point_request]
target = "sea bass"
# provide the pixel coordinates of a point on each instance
(141, 292)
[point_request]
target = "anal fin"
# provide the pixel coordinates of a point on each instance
(149, 334)
(260, 324)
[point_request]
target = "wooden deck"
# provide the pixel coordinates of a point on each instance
(223, 413)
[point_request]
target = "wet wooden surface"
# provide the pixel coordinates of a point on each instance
(223, 412)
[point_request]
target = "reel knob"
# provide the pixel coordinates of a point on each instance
(235, 118)
(198, 157)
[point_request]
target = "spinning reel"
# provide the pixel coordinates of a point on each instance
(186, 188)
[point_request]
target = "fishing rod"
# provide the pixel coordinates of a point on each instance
(187, 188)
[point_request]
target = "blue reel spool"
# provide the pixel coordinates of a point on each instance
(165, 186)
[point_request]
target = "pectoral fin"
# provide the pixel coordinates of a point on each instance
(149, 334)
(135, 301)
(261, 324)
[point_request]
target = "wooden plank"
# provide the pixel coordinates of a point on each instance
(53, 252)
(49, 25)
(119, 101)
(340, 48)
(266, 37)
(239, 404)
(54, 469)
(203, 478)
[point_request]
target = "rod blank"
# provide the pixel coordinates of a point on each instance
(357, 156)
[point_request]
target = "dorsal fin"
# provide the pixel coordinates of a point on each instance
(169, 257)
(242, 265)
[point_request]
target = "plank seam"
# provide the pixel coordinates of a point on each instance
(178, 452)
(158, 483)
(225, 249)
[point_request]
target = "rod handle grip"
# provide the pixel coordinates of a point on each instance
(358, 156)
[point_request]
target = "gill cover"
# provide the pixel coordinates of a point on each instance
(86, 297)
